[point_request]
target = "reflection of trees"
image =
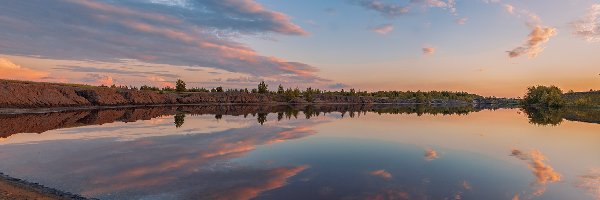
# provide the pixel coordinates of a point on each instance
(554, 116)
(544, 116)
(262, 118)
(179, 119)
(41, 122)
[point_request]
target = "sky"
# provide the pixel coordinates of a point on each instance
(489, 47)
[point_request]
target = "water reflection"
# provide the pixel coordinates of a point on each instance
(543, 172)
(181, 167)
(303, 152)
(179, 119)
(42, 122)
(590, 182)
(554, 116)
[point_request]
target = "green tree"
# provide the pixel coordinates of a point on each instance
(180, 86)
(546, 96)
(263, 87)
(309, 94)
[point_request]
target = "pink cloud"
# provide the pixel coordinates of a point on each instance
(383, 29)
(428, 50)
(539, 35)
(152, 33)
(544, 173)
(381, 173)
(10, 70)
(462, 20)
(431, 154)
(589, 26)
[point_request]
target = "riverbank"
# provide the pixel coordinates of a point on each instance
(17, 189)
(36, 95)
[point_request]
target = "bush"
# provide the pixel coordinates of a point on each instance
(546, 96)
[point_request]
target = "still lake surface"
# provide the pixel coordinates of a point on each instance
(336, 152)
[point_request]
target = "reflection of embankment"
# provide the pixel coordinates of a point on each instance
(554, 116)
(41, 122)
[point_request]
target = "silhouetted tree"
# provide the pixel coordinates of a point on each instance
(263, 87)
(262, 118)
(309, 95)
(179, 120)
(280, 89)
(180, 86)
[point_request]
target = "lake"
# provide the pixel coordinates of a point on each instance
(307, 152)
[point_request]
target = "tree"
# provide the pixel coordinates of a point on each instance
(546, 96)
(263, 87)
(180, 86)
(280, 89)
(309, 94)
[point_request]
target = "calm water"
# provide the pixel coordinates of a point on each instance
(336, 152)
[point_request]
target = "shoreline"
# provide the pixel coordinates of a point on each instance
(14, 188)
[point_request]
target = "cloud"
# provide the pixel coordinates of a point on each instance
(99, 79)
(510, 9)
(391, 10)
(381, 173)
(247, 79)
(544, 173)
(10, 70)
(450, 5)
(161, 82)
(428, 50)
(386, 9)
(383, 29)
(165, 167)
(589, 26)
(516, 197)
(466, 185)
(389, 193)
(590, 182)
(539, 35)
(194, 33)
(462, 20)
(431, 154)
(272, 179)
(138, 73)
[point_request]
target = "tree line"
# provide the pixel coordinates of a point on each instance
(309, 94)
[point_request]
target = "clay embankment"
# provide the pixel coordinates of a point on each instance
(26, 95)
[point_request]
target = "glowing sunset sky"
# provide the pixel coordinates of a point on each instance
(490, 47)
